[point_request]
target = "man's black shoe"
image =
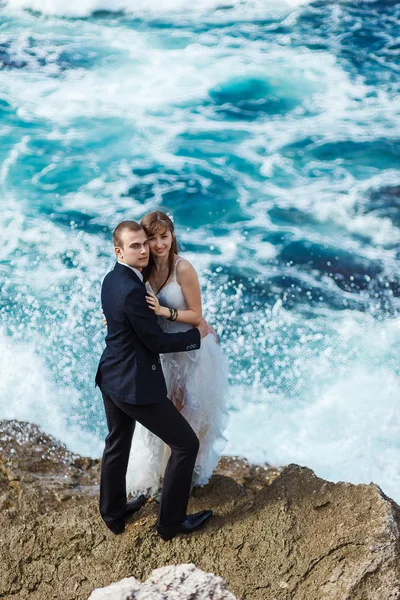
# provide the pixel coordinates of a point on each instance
(134, 505)
(131, 507)
(118, 528)
(190, 524)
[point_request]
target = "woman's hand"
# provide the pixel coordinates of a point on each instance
(211, 330)
(154, 304)
(104, 319)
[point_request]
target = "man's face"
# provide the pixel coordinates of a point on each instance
(135, 249)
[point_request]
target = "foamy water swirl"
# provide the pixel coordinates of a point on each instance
(272, 137)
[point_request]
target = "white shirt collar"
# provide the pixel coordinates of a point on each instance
(138, 273)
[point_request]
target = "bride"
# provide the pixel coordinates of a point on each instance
(196, 380)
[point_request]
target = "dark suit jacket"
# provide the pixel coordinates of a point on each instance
(129, 368)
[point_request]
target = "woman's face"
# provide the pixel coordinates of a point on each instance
(160, 243)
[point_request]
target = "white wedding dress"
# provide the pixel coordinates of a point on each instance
(199, 378)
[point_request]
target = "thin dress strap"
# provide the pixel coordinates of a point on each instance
(176, 262)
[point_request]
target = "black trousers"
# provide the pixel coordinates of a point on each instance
(167, 423)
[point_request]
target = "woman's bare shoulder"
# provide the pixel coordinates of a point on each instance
(184, 268)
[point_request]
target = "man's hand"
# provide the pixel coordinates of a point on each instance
(203, 328)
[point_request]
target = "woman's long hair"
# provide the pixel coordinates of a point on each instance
(158, 222)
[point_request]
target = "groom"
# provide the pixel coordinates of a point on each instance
(131, 381)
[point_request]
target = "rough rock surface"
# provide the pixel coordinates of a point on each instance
(299, 538)
(252, 477)
(181, 582)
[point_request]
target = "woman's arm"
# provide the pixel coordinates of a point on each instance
(147, 329)
(189, 282)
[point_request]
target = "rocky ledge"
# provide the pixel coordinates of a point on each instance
(287, 535)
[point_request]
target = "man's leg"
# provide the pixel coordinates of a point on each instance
(167, 423)
(114, 463)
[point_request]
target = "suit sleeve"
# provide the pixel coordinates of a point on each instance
(146, 327)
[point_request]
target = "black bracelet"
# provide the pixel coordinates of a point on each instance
(173, 314)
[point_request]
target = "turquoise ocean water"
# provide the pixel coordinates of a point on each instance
(270, 131)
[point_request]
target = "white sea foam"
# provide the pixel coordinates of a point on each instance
(345, 425)
(81, 8)
(29, 393)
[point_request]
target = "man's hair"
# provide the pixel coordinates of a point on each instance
(124, 226)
